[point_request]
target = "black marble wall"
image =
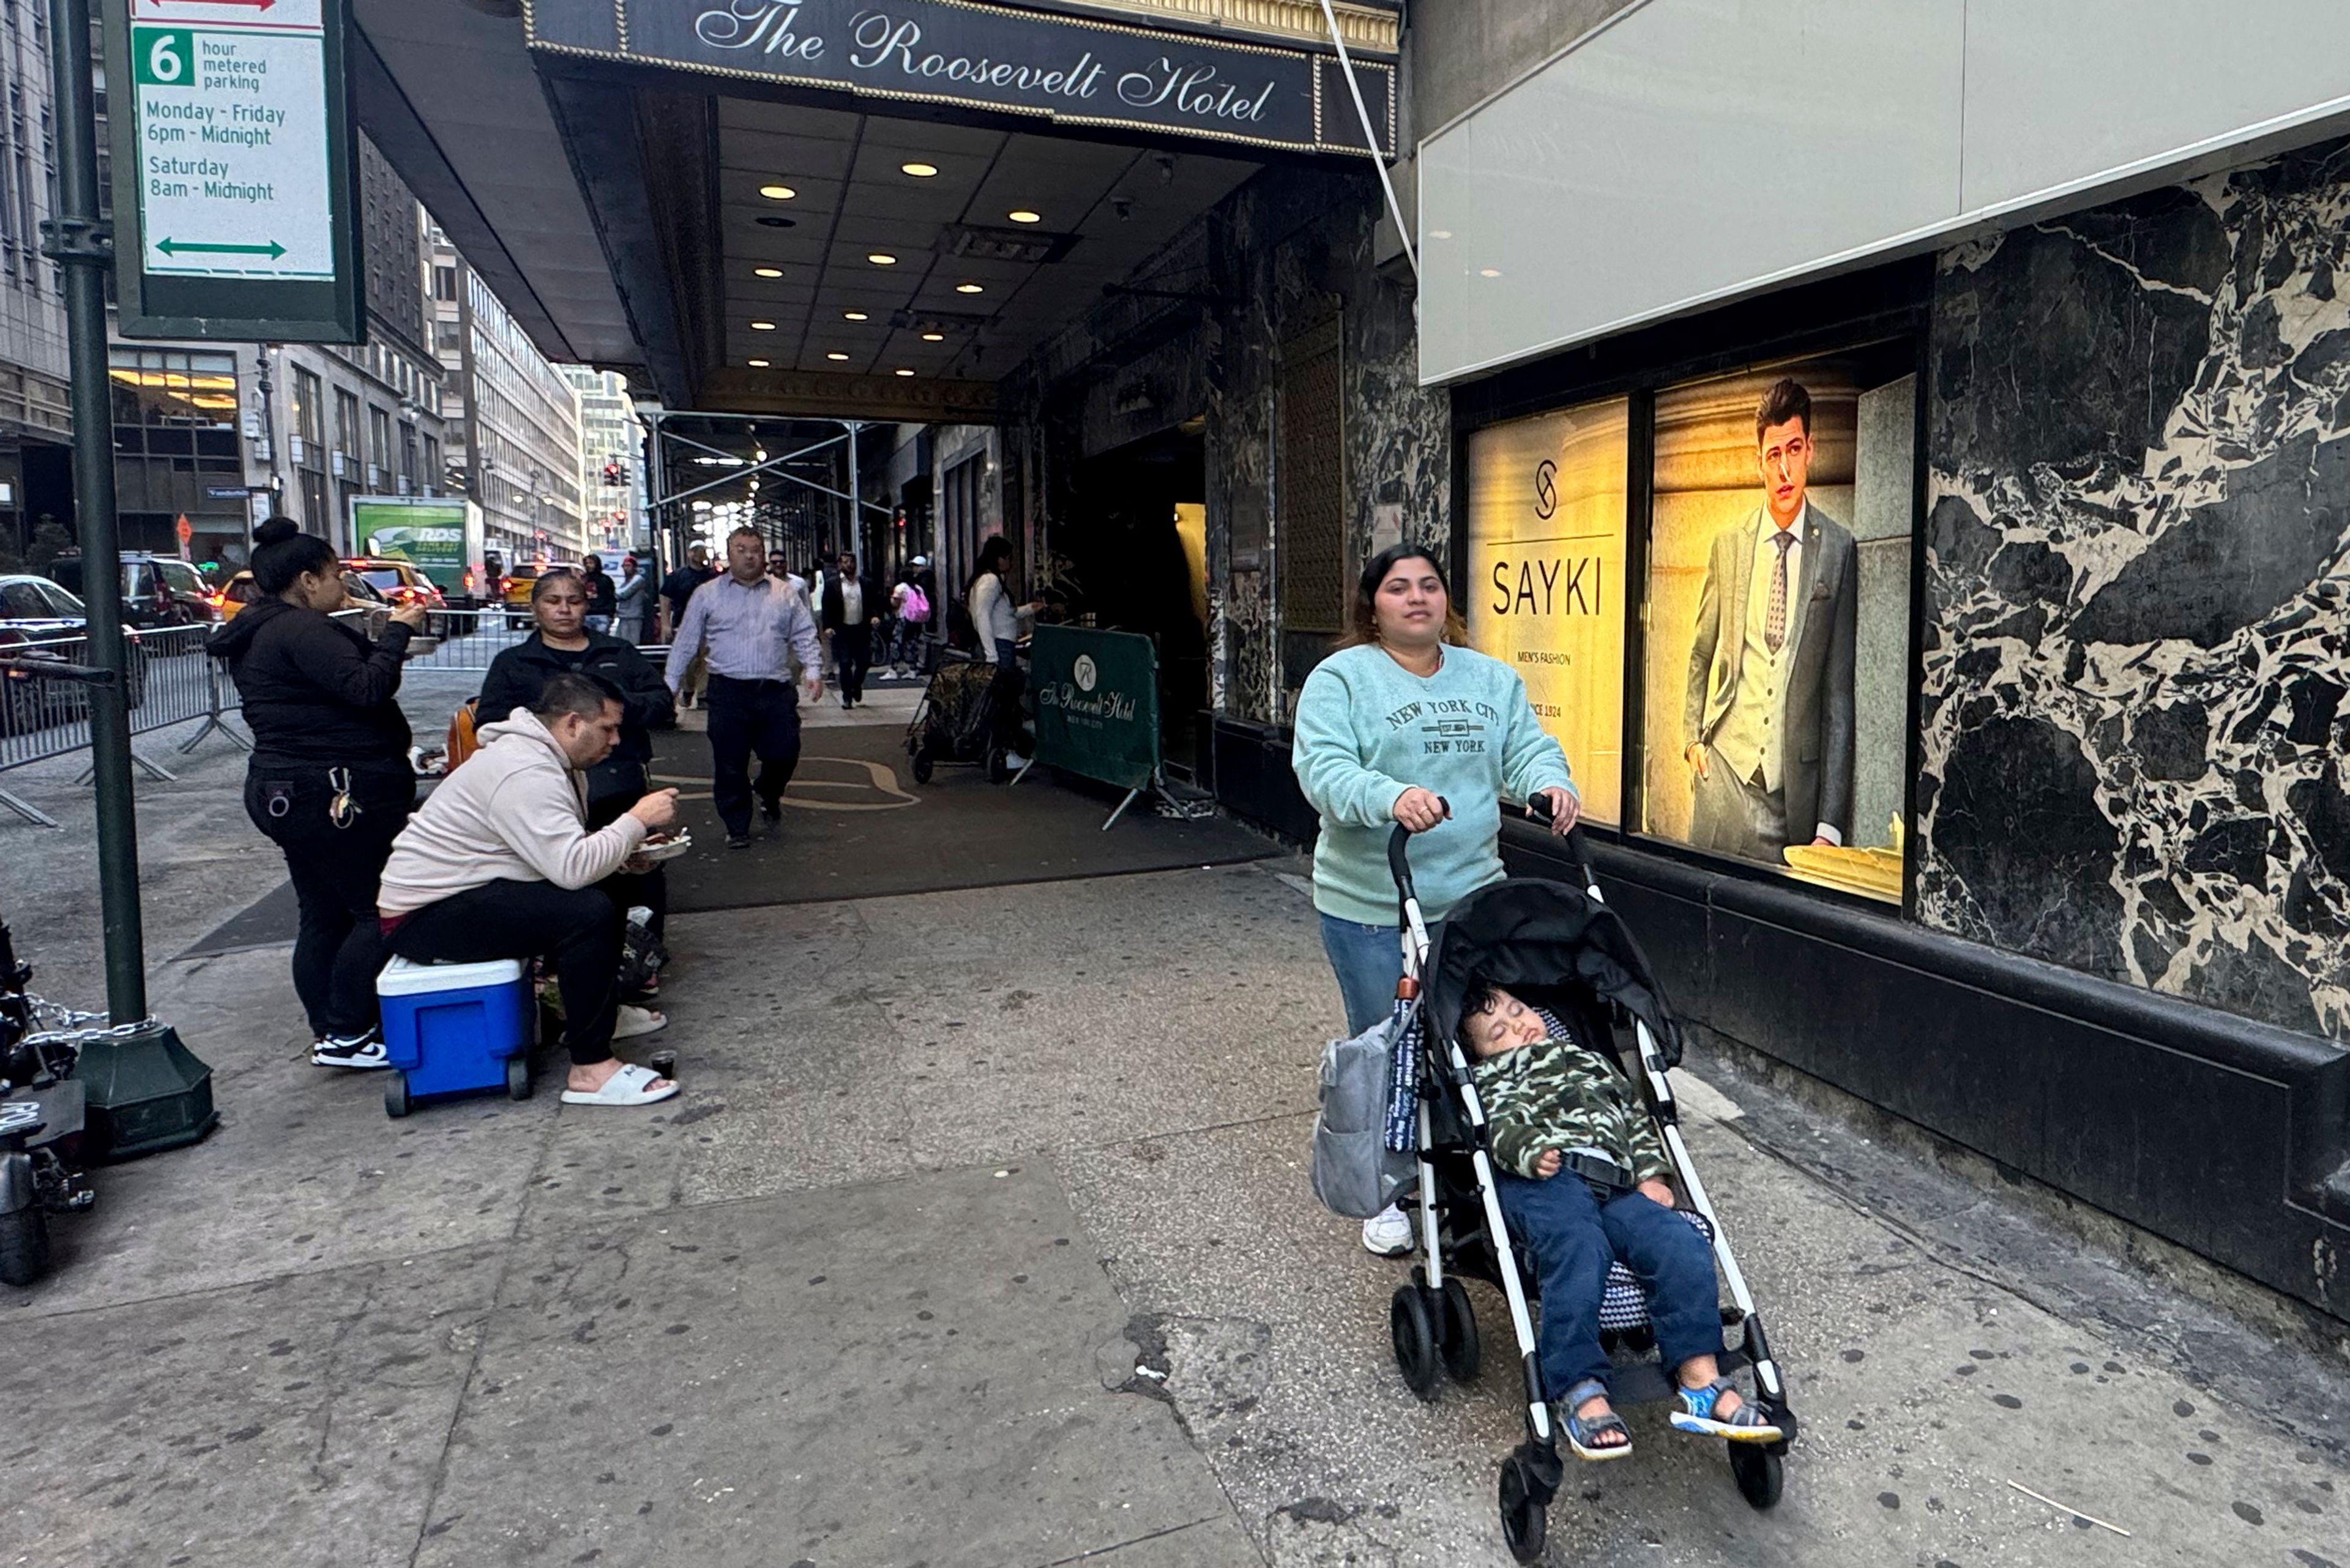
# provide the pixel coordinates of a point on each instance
(2138, 629)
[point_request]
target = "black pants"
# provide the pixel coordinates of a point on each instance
(580, 928)
(747, 717)
(334, 870)
(852, 656)
(1004, 693)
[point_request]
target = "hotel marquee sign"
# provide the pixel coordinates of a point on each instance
(1072, 68)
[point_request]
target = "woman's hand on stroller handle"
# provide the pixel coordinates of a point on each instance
(1558, 807)
(1416, 810)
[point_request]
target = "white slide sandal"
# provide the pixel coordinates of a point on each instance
(631, 1086)
(632, 1021)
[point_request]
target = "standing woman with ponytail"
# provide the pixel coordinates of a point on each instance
(329, 782)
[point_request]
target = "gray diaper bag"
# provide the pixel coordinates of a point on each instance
(1355, 1172)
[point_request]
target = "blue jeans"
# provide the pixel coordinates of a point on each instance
(1574, 1239)
(1367, 960)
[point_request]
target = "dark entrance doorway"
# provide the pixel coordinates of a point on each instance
(1135, 560)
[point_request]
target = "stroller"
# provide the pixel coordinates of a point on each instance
(1562, 950)
(955, 723)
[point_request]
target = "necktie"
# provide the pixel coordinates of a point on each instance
(1775, 624)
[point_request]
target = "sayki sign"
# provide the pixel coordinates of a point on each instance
(1072, 70)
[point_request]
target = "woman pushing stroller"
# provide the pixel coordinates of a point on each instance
(1389, 728)
(1582, 1181)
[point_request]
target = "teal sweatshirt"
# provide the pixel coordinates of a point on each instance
(1368, 729)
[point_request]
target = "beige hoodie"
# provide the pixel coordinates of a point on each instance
(515, 812)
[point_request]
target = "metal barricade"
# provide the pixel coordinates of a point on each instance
(467, 640)
(44, 706)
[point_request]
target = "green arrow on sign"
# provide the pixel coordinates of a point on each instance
(272, 250)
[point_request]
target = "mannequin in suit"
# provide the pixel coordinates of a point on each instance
(1769, 716)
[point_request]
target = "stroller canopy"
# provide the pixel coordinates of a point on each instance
(1553, 945)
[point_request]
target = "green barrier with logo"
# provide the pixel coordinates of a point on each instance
(1096, 704)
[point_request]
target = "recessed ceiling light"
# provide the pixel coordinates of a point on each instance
(775, 221)
(766, 272)
(1440, 233)
(1022, 216)
(777, 193)
(905, 372)
(854, 316)
(882, 258)
(763, 326)
(836, 354)
(918, 171)
(756, 364)
(1489, 272)
(934, 337)
(969, 288)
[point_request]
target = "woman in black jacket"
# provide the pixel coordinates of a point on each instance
(329, 782)
(559, 603)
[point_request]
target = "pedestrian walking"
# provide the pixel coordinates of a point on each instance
(996, 622)
(852, 613)
(329, 782)
(676, 589)
(1399, 727)
(632, 600)
(500, 864)
(910, 611)
(750, 626)
(602, 597)
(562, 644)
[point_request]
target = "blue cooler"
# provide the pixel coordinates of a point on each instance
(454, 1029)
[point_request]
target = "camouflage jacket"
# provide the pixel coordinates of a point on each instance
(1557, 1095)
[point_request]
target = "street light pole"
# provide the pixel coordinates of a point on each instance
(84, 248)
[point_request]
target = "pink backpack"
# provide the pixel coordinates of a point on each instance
(917, 605)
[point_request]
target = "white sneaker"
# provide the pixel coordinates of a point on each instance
(1015, 760)
(359, 1050)
(636, 1020)
(1387, 1233)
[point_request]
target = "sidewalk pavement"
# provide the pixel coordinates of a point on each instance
(981, 1236)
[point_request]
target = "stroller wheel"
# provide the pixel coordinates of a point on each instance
(923, 766)
(24, 1245)
(1524, 1522)
(999, 767)
(1456, 1343)
(1412, 1326)
(1758, 1473)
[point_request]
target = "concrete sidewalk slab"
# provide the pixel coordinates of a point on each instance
(881, 1374)
(299, 1420)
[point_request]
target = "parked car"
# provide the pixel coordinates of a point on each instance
(401, 583)
(157, 590)
(40, 620)
(514, 588)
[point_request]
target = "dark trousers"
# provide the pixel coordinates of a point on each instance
(337, 947)
(852, 656)
(1737, 816)
(1574, 1239)
(580, 928)
(1004, 691)
(748, 717)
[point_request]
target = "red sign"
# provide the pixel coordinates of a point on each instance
(183, 529)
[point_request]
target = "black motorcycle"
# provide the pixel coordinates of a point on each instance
(41, 1117)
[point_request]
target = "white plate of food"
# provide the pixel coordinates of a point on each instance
(665, 845)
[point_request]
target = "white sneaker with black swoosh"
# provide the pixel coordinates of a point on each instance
(360, 1050)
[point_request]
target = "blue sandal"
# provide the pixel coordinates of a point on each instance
(1582, 1435)
(1695, 1413)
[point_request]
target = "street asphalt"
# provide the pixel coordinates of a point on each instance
(981, 1236)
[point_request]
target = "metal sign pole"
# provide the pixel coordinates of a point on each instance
(83, 247)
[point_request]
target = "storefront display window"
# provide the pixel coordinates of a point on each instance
(1777, 616)
(1546, 574)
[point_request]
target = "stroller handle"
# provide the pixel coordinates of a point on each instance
(1399, 854)
(1539, 809)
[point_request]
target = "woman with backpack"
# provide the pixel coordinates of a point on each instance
(909, 609)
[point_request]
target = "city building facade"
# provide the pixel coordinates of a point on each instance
(35, 412)
(611, 460)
